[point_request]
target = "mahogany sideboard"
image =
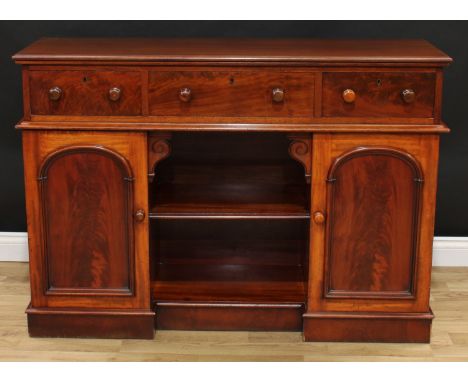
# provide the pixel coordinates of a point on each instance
(231, 184)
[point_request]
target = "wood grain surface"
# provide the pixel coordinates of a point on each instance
(231, 93)
(87, 204)
(90, 190)
(327, 148)
(85, 92)
(228, 50)
(378, 94)
(373, 224)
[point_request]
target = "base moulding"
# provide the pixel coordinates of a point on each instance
(367, 327)
(219, 316)
(61, 322)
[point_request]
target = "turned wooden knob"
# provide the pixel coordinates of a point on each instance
(349, 96)
(319, 217)
(185, 94)
(408, 95)
(114, 94)
(140, 215)
(277, 94)
(55, 93)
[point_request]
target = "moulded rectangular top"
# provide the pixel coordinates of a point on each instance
(233, 50)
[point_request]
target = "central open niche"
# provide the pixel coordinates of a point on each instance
(229, 220)
(229, 261)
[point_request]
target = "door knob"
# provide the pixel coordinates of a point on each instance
(55, 93)
(349, 96)
(319, 217)
(140, 215)
(408, 95)
(114, 94)
(277, 94)
(185, 94)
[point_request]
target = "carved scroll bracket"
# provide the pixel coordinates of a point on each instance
(300, 149)
(159, 148)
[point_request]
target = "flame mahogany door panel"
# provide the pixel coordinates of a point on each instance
(86, 247)
(373, 201)
(94, 187)
(373, 251)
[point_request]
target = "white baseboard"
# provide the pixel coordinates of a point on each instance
(448, 251)
(14, 246)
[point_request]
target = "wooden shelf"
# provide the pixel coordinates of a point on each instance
(238, 212)
(230, 192)
(237, 270)
(229, 283)
(245, 252)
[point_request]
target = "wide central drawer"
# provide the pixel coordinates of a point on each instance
(256, 93)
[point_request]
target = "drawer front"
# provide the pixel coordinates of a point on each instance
(231, 94)
(92, 93)
(378, 94)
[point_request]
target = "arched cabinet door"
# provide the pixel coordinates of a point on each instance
(371, 237)
(88, 229)
(86, 196)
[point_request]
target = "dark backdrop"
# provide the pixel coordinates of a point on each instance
(451, 37)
